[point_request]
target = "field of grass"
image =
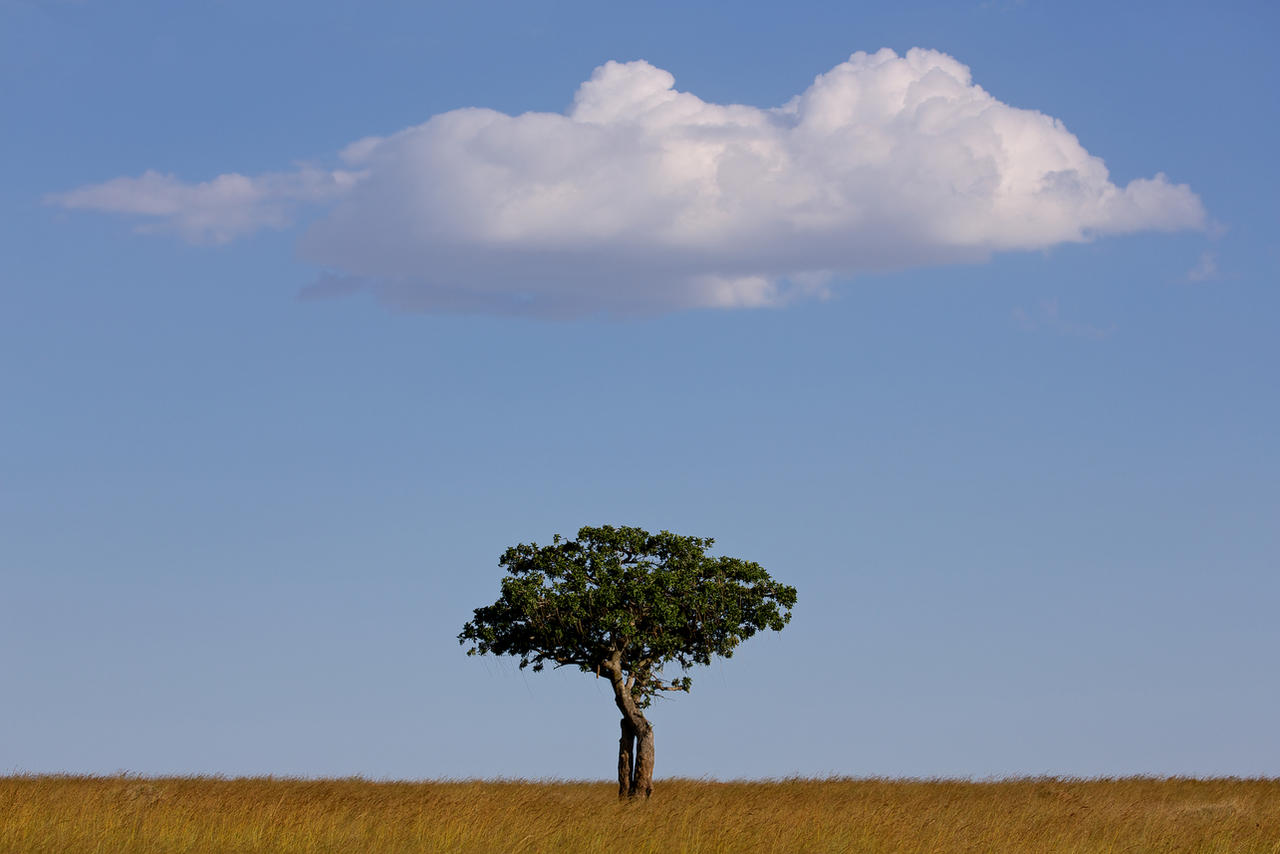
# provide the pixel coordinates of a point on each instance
(134, 814)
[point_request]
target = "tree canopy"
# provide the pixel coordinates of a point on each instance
(646, 599)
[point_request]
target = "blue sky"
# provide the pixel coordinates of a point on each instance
(263, 440)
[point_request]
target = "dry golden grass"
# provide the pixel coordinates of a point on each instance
(133, 814)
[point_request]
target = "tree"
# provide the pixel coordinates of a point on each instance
(623, 603)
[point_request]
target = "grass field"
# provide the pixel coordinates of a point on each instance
(134, 814)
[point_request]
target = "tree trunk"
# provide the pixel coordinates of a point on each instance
(642, 779)
(634, 767)
(626, 758)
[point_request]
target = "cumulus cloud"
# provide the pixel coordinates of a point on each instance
(643, 198)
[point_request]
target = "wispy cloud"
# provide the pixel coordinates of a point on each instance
(216, 211)
(1046, 316)
(643, 198)
(1205, 269)
(1003, 5)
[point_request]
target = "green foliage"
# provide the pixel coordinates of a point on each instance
(623, 594)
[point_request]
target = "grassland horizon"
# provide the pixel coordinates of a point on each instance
(132, 813)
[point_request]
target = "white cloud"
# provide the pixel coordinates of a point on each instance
(644, 198)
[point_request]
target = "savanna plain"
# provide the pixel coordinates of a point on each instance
(206, 814)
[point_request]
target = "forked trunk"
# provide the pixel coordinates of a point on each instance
(635, 759)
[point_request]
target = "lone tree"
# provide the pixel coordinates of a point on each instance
(623, 603)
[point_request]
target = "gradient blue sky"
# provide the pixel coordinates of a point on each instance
(1030, 501)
